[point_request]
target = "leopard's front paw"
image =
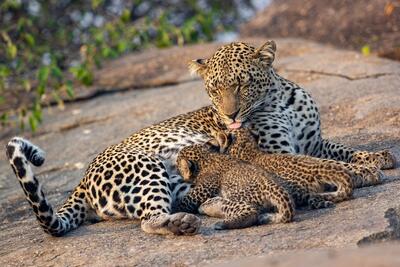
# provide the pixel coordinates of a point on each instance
(381, 160)
(183, 224)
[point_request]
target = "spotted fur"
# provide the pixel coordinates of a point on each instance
(230, 189)
(303, 176)
(245, 89)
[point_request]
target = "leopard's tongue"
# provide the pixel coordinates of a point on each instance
(235, 125)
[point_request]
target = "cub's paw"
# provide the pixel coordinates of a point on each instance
(366, 176)
(267, 218)
(320, 203)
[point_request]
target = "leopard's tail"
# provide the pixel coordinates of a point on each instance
(20, 152)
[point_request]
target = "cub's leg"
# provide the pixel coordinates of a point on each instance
(305, 177)
(236, 214)
(361, 175)
(197, 195)
(213, 207)
(273, 194)
(304, 196)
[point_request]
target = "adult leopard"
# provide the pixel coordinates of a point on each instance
(137, 177)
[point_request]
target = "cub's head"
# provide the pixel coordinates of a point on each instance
(239, 143)
(188, 161)
(236, 78)
(192, 159)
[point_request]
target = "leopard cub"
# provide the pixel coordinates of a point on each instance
(226, 188)
(304, 177)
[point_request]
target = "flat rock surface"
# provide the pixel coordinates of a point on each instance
(359, 100)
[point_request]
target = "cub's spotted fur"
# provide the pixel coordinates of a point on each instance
(303, 176)
(230, 189)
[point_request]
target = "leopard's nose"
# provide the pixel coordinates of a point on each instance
(233, 115)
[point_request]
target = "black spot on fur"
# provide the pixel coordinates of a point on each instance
(139, 213)
(118, 178)
(55, 224)
(154, 177)
(137, 199)
(33, 197)
(275, 135)
(30, 187)
(116, 197)
(125, 189)
(43, 207)
(310, 134)
(93, 190)
(103, 202)
(19, 165)
(108, 174)
(136, 190)
(10, 151)
(131, 209)
(291, 99)
(145, 191)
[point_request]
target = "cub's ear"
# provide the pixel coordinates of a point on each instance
(198, 66)
(224, 141)
(265, 54)
(220, 143)
(187, 168)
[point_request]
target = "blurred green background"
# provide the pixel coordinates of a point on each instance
(47, 47)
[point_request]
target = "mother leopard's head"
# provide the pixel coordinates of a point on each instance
(236, 79)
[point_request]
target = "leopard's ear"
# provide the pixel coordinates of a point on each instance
(198, 66)
(265, 54)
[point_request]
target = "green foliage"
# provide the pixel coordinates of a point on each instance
(45, 51)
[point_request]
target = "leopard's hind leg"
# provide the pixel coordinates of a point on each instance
(74, 211)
